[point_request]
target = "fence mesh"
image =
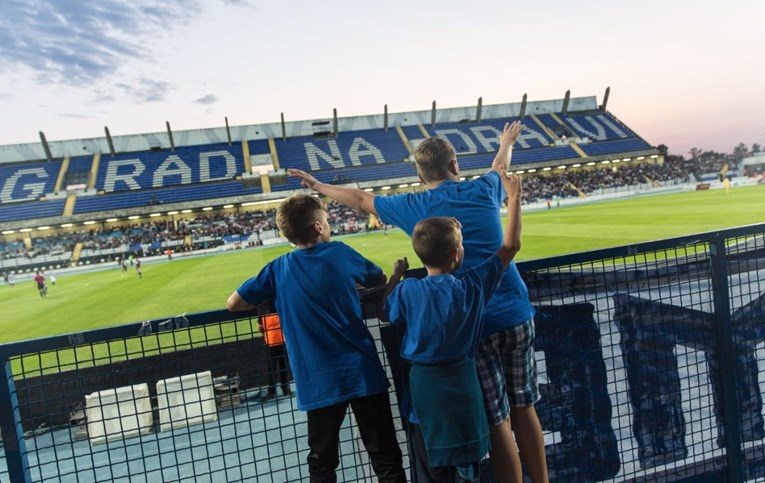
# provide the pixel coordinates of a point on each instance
(649, 359)
(190, 404)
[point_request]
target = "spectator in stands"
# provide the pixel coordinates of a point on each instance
(278, 368)
(332, 353)
(443, 315)
(505, 358)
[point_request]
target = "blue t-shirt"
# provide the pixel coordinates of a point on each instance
(476, 205)
(332, 354)
(443, 313)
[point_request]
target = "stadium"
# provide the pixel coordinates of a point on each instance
(649, 344)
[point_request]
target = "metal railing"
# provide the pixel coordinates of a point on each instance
(649, 359)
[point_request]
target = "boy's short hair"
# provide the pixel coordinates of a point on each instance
(434, 240)
(296, 215)
(432, 158)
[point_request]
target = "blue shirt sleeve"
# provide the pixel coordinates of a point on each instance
(394, 306)
(399, 210)
(487, 276)
(492, 179)
(260, 288)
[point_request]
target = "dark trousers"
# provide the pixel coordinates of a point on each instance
(375, 422)
(277, 366)
(423, 472)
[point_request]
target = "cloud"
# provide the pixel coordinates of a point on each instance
(72, 115)
(208, 99)
(145, 90)
(239, 3)
(75, 42)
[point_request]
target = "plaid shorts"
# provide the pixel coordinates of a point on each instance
(507, 371)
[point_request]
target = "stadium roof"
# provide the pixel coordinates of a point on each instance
(14, 153)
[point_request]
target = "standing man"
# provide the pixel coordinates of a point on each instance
(505, 357)
(277, 355)
(40, 283)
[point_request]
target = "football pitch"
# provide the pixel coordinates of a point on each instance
(105, 298)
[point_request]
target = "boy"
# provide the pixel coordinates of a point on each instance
(443, 314)
(333, 356)
(505, 358)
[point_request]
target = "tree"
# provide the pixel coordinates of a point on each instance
(695, 153)
(740, 151)
(756, 148)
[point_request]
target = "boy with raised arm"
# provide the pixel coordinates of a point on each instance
(333, 356)
(505, 357)
(443, 315)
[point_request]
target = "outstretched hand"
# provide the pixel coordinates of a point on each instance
(512, 184)
(511, 132)
(306, 179)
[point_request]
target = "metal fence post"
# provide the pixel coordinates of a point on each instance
(731, 412)
(13, 432)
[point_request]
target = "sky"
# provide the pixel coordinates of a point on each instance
(682, 73)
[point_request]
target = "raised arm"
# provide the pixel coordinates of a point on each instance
(399, 267)
(352, 197)
(506, 141)
(511, 243)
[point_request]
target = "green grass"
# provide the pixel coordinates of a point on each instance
(622, 222)
(105, 298)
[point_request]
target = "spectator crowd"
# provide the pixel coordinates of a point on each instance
(537, 187)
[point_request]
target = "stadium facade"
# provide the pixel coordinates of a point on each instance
(99, 178)
(112, 182)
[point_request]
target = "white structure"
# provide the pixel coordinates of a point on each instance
(118, 413)
(186, 400)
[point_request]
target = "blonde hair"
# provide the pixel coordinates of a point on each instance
(432, 158)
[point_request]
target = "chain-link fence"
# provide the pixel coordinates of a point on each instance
(649, 359)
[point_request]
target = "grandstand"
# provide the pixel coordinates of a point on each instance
(754, 165)
(649, 353)
(67, 186)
